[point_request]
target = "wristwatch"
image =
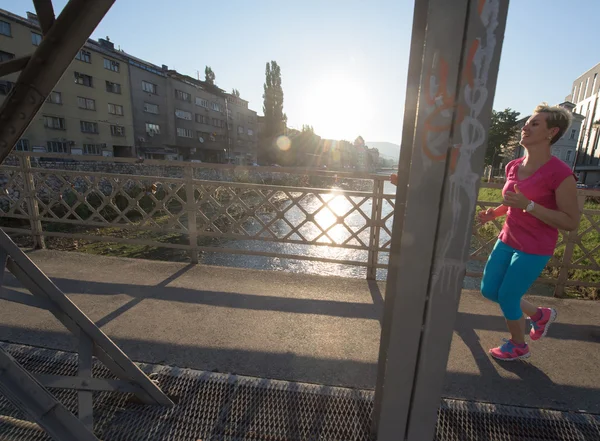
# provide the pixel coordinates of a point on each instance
(530, 206)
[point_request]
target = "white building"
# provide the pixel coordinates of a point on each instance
(584, 95)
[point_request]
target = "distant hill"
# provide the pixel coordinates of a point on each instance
(387, 149)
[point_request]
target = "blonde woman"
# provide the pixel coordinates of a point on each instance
(539, 198)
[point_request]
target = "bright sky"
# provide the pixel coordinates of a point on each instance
(343, 62)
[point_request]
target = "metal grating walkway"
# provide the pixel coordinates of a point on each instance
(213, 406)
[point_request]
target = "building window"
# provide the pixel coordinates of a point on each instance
(182, 114)
(57, 147)
(111, 65)
(152, 129)
(568, 157)
(185, 133)
(240, 130)
(92, 149)
(86, 103)
(115, 109)
(22, 145)
(151, 108)
(593, 91)
(54, 98)
(88, 127)
(5, 28)
(202, 102)
(573, 132)
(215, 106)
(5, 56)
(117, 130)
(113, 87)
(53, 122)
(202, 119)
(84, 80)
(36, 39)
(183, 96)
(250, 132)
(218, 122)
(84, 56)
(149, 87)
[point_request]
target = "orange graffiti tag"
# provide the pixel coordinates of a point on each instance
(447, 102)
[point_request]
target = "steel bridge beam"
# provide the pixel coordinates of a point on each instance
(453, 70)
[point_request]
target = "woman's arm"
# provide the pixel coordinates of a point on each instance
(568, 213)
(565, 218)
(492, 213)
(500, 211)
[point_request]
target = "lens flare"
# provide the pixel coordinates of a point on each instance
(283, 143)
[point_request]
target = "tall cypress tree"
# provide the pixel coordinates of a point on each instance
(275, 119)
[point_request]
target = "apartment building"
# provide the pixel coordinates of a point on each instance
(88, 112)
(199, 118)
(176, 116)
(152, 126)
(584, 95)
(112, 103)
(242, 125)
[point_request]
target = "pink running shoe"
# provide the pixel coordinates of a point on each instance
(539, 329)
(510, 351)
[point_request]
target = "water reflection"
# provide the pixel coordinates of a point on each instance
(337, 220)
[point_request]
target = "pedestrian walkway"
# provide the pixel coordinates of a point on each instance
(310, 329)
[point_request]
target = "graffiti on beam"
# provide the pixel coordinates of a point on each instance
(449, 267)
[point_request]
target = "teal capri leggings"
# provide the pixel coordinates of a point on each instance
(507, 276)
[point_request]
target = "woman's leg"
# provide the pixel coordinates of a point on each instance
(528, 308)
(495, 269)
(523, 271)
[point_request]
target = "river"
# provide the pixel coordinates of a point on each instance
(325, 218)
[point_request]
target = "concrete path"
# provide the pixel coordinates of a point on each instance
(295, 327)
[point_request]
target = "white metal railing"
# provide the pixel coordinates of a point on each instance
(241, 204)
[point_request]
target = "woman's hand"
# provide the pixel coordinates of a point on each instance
(515, 199)
(394, 178)
(485, 216)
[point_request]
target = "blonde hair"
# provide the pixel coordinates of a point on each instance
(555, 117)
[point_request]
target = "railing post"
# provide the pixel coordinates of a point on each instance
(190, 206)
(32, 204)
(563, 274)
(375, 230)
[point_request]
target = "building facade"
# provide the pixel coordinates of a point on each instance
(584, 95)
(242, 125)
(112, 103)
(152, 127)
(89, 111)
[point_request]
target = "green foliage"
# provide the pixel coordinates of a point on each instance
(209, 75)
(275, 118)
(501, 136)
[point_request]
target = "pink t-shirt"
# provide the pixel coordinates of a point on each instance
(522, 230)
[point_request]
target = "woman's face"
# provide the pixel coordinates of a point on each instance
(536, 131)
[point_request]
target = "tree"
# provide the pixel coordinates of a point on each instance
(501, 135)
(235, 93)
(275, 119)
(510, 150)
(209, 75)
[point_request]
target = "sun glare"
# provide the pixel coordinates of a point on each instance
(337, 107)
